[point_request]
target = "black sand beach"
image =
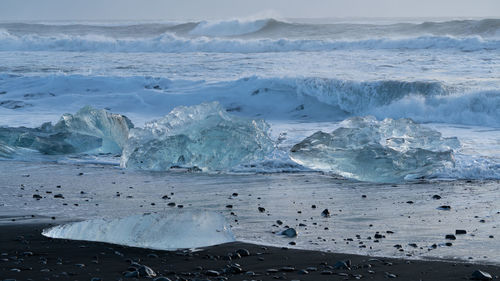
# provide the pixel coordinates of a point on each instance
(27, 255)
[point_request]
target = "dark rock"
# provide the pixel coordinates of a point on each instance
(59, 196)
(287, 269)
(96, 279)
(481, 275)
(325, 213)
(444, 207)
(390, 275)
(436, 197)
(212, 273)
(460, 231)
(279, 222)
(261, 209)
(303, 272)
(146, 271)
(131, 274)
(326, 272)
(342, 265)
(290, 232)
(243, 252)
(450, 237)
(37, 196)
(229, 206)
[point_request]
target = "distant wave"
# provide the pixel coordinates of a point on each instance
(170, 43)
(266, 27)
(281, 98)
(228, 28)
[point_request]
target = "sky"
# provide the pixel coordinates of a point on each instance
(225, 9)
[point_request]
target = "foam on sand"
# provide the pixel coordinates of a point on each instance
(163, 231)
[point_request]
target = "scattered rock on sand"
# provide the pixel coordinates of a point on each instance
(460, 231)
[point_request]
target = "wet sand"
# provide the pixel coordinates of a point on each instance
(27, 255)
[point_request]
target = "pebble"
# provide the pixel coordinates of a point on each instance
(460, 231)
(325, 213)
(131, 274)
(450, 237)
(261, 209)
(243, 252)
(146, 271)
(212, 273)
(481, 275)
(290, 232)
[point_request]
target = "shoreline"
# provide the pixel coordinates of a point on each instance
(25, 254)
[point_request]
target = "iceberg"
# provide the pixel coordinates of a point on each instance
(377, 151)
(203, 136)
(162, 231)
(89, 130)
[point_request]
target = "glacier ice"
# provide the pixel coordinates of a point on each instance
(163, 231)
(88, 130)
(377, 151)
(203, 136)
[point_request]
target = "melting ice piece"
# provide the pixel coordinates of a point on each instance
(89, 129)
(377, 151)
(163, 231)
(112, 128)
(205, 136)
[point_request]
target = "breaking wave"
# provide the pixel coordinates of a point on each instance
(276, 98)
(171, 43)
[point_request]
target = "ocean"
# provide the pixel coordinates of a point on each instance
(300, 76)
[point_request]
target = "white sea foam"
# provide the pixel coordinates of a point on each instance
(228, 28)
(163, 231)
(171, 43)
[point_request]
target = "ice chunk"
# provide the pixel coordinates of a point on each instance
(88, 130)
(112, 128)
(164, 231)
(378, 151)
(205, 136)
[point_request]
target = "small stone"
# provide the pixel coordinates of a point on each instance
(290, 232)
(229, 206)
(436, 197)
(390, 275)
(131, 274)
(287, 268)
(146, 271)
(303, 272)
(37, 196)
(59, 195)
(261, 209)
(342, 265)
(326, 272)
(325, 213)
(450, 237)
(243, 252)
(96, 279)
(444, 208)
(460, 231)
(481, 275)
(212, 273)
